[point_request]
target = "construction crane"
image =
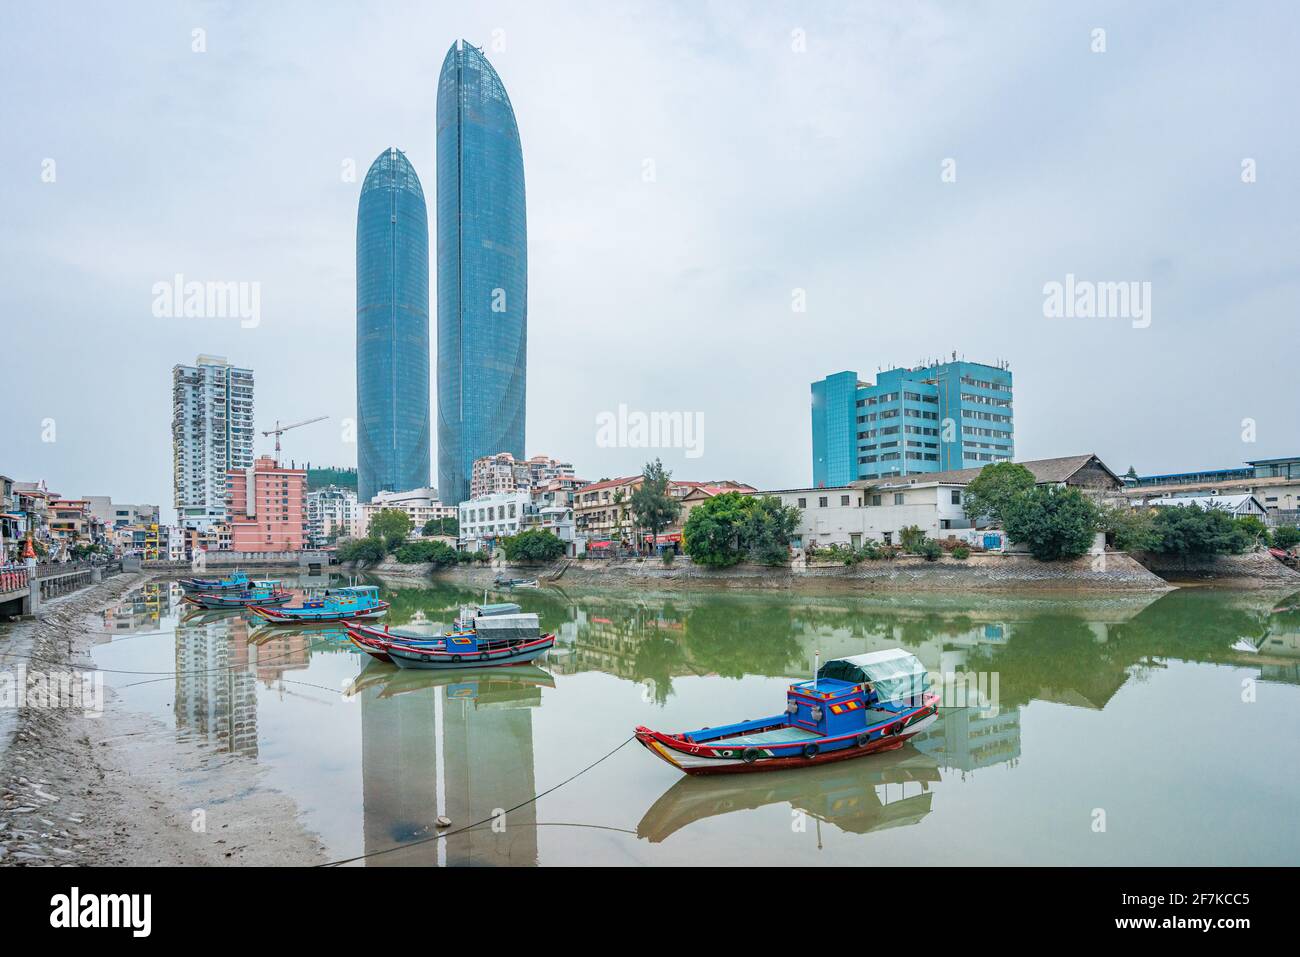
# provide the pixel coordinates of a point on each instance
(280, 430)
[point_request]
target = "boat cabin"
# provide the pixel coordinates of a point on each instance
(849, 694)
(363, 595)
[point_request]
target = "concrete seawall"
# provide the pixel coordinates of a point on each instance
(1253, 570)
(1114, 571)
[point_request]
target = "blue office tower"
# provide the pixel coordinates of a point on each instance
(393, 427)
(936, 417)
(482, 271)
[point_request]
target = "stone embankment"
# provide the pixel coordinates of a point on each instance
(1254, 570)
(1108, 572)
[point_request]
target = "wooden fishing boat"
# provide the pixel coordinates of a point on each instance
(334, 604)
(852, 707)
(464, 623)
(515, 582)
(258, 594)
(493, 642)
(236, 582)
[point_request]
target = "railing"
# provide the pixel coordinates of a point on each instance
(68, 580)
(49, 569)
(13, 578)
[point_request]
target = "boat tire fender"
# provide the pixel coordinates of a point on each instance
(863, 739)
(749, 755)
(810, 750)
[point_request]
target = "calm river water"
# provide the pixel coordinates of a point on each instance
(1129, 730)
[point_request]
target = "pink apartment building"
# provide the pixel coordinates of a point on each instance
(272, 516)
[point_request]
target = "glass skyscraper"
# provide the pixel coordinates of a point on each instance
(392, 330)
(482, 271)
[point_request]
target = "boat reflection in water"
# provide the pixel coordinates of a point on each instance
(434, 743)
(857, 797)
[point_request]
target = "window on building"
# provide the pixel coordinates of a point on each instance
(844, 500)
(875, 500)
(821, 501)
(803, 503)
(956, 496)
(898, 498)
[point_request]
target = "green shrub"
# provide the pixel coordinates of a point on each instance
(961, 552)
(415, 553)
(1054, 522)
(912, 539)
(1254, 529)
(535, 545)
(929, 549)
(362, 550)
(1189, 531)
(730, 528)
(1286, 536)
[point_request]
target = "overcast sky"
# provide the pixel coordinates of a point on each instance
(688, 168)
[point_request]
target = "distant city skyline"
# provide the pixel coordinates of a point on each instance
(725, 203)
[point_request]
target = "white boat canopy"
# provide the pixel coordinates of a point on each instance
(895, 674)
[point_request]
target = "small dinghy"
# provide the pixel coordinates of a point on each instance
(236, 582)
(494, 640)
(335, 604)
(853, 707)
(257, 594)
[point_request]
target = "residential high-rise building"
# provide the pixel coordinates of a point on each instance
(393, 426)
(331, 511)
(482, 271)
(930, 418)
(504, 473)
(212, 432)
(267, 507)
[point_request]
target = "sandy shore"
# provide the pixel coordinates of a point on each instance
(119, 788)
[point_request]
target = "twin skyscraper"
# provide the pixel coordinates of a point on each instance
(482, 264)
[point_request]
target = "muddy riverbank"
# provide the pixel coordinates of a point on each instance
(96, 785)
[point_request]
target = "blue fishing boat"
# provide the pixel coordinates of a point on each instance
(852, 707)
(257, 594)
(494, 640)
(236, 582)
(333, 604)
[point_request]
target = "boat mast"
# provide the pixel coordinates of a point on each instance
(817, 666)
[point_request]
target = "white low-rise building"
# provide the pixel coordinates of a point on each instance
(1235, 505)
(853, 514)
(420, 504)
(486, 519)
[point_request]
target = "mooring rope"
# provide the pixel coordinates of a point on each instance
(487, 820)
